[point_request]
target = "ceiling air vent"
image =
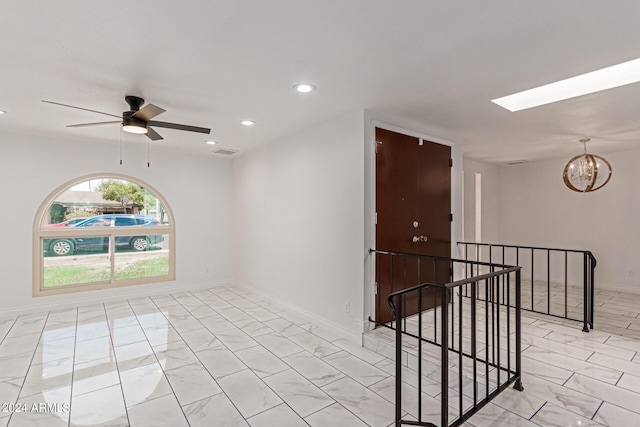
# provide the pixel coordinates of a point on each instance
(225, 151)
(516, 162)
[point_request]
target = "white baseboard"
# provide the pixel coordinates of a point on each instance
(100, 297)
(616, 287)
(354, 336)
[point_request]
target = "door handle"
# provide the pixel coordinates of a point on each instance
(417, 239)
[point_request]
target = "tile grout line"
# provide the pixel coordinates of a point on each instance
(115, 358)
(73, 364)
(30, 363)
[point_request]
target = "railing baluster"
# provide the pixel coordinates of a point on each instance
(404, 286)
(532, 280)
(474, 355)
(486, 335)
(592, 283)
(518, 384)
(444, 368)
(420, 309)
(403, 319)
(566, 283)
(492, 285)
(450, 295)
(435, 305)
(419, 354)
(460, 353)
(548, 281)
(508, 327)
(466, 265)
(498, 325)
(391, 283)
(517, 256)
(399, 314)
(378, 293)
(585, 301)
(503, 293)
(490, 253)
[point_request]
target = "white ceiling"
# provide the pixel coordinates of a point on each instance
(213, 63)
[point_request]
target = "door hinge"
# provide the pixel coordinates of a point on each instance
(450, 217)
(376, 218)
(377, 286)
(450, 163)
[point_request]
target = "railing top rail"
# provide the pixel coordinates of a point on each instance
(528, 247)
(455, 284)
(464, 261)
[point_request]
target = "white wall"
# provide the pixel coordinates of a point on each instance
(537, 209)
(489, 199)
(198, 189)
(299, 220)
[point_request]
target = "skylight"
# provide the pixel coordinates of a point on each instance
(595, 81)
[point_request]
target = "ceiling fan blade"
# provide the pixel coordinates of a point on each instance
(178, 126)
(148, 112)
(81, 125)
(153, 135)
(80, 108)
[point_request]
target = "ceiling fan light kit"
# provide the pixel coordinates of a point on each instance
(137, 129)
(133, 125)
(586, 172)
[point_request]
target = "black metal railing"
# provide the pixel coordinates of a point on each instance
(468, 347)
(556, 282)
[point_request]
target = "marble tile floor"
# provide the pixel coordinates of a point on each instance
(211, 357)
(225, 357)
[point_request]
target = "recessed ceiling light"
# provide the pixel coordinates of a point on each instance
(3, 112)
(595, 81)
(211, 142)
(247, 122)
(304, 87)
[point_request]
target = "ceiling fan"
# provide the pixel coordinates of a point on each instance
(137, 120)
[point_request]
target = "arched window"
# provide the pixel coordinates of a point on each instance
(102, 231)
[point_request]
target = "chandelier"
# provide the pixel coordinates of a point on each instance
(586, 172)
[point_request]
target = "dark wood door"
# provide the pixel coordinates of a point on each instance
(413, 215)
